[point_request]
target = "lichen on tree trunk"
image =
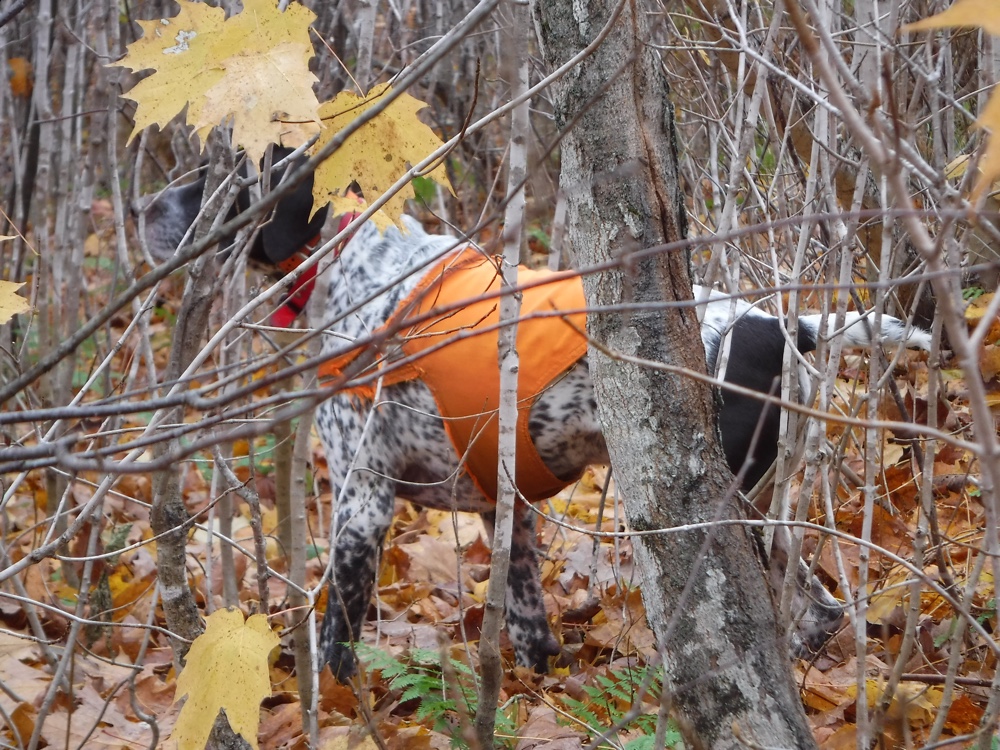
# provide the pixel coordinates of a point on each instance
(727, 669)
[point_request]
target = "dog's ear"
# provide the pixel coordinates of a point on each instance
(288, 229)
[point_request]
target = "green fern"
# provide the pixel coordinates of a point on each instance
(612, 697)
(647, 741)
(581, 710)
(420, 678)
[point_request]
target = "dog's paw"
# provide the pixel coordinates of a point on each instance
(342, 661)
(537, 653)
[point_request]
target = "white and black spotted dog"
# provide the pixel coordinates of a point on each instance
(401, 449)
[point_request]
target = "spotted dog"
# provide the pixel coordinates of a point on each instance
(401, 449)
(398, 446)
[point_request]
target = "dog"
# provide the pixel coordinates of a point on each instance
(398, 445)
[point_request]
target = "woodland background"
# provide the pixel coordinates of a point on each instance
(783, 194)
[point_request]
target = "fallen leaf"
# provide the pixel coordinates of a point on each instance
(963, 716)
(891, 594)
(989, 361)
(543, 729)
(844, 738)
(22, 719)
(282, 725)
(227, 668)
(349, 742)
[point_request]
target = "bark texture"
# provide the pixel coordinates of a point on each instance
(516, 28)
(168, 516)
(727, 670)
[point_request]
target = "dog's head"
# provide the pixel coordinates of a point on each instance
(169, 214)
(284, 238)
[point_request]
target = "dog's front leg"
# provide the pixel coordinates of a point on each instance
(526, 622)
(359, 460)
(362, 521)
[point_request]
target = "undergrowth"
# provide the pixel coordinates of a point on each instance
(610, 699)
(446, 699)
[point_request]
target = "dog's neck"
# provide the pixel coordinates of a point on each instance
(374, 273)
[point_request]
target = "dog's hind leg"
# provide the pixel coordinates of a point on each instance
(525, 605)
(816, 615)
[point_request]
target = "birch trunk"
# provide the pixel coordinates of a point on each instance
(727, 671)
(516, 64)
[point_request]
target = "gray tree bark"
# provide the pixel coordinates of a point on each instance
(168, 516)
(727, 669)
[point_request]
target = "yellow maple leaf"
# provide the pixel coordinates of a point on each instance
(989, 162)
(252, 67)
(378, 153)
(226, 668)
(11, 303)
(983, 14)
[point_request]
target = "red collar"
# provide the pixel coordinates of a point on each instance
(298, 296)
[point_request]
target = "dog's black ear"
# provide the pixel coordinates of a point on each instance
(288, 228)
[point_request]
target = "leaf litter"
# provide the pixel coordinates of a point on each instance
(430, 592)
(430, 586)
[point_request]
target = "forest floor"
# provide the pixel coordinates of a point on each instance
(420, 651)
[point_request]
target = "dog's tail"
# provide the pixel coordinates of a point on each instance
(858, 329)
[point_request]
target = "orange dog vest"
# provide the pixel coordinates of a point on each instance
(454, 352)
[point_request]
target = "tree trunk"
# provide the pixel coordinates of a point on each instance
(168, 516)
(727, 670)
